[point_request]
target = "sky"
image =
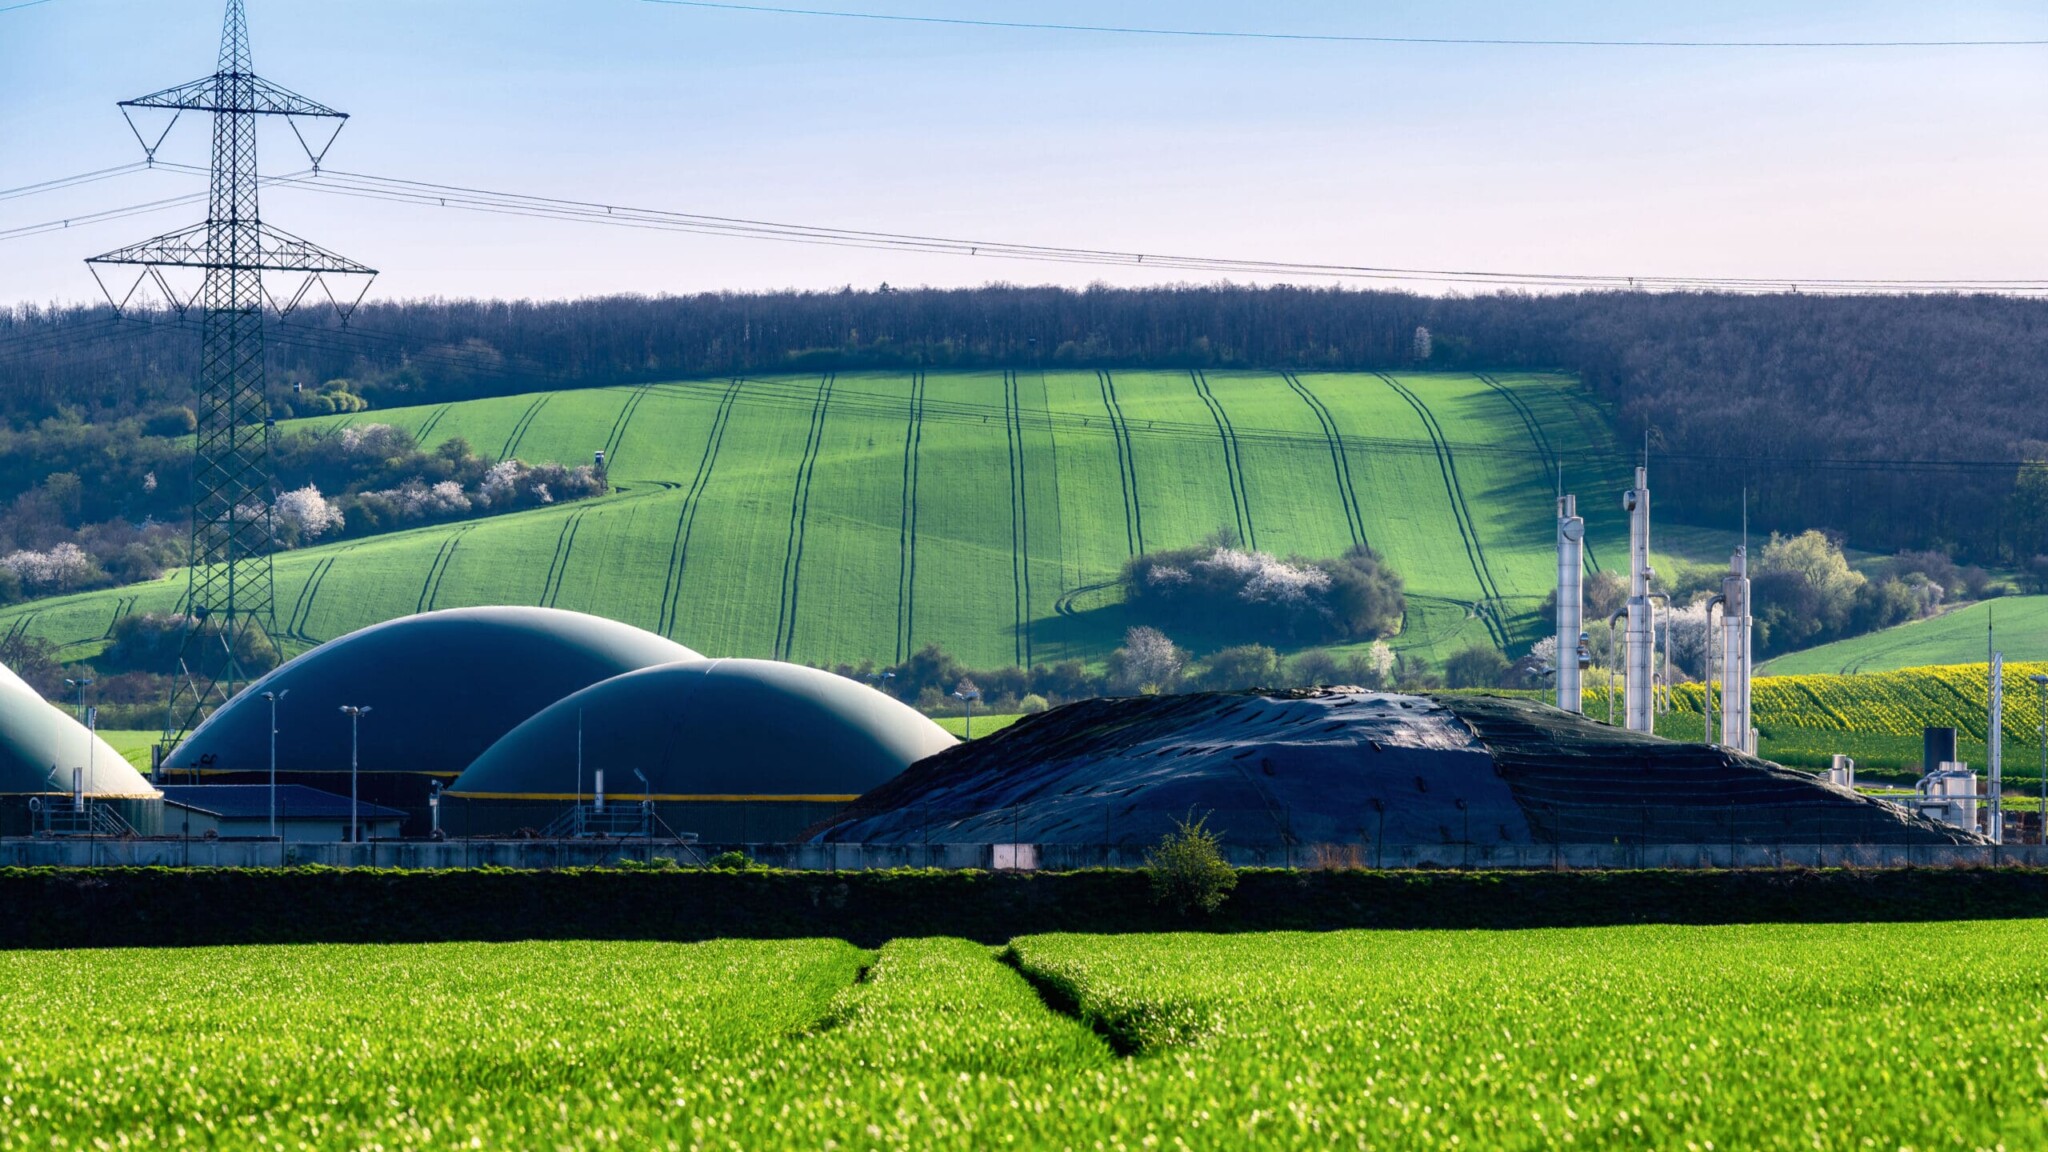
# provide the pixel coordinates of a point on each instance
(1919, 163)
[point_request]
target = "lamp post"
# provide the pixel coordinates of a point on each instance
(2040, 680)
(82, 683)
(967, 694)
(355, 715)
(274, 697)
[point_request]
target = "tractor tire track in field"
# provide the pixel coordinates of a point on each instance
(454, 542)
(294, 622)
(431, 586)
(1020, 516)
(799, 512)
(1543, 447)
(1126, 464)
(21, 625)
(618, 432)
(906, 567)
(1494, 608)
(523, 424)
(1339, 460)
(123, 605)
(558, 568)
(1233, 462)
(308, 593)
(686, 519)
(432, 422)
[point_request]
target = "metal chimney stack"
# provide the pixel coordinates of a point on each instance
(1571, 602)
(1640, 651)
(1735, 656)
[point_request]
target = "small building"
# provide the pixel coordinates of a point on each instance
(232, 811)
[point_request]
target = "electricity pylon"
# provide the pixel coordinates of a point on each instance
(230, 602)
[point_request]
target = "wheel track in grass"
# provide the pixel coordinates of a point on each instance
(432, 422)
(1020, 517)
(1339, 459)
(686, 518)
(294, 622)
(558, 568)
(310, 591)
(454, 542)
(123, 606)
(1493, 608)
(619, 426)
(1233, 462)
(431, 586)
(906, 564)
(799, 513)
(1126, 464)
(523, 424)
(1544, 449)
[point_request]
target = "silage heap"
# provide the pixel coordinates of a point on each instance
(1346, 766)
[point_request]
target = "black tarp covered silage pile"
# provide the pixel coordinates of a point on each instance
(1346, 766)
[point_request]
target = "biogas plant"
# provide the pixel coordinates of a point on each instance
(534, 736)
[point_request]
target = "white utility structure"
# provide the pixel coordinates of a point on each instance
(1994, 746)
(1640, 641)
(1736, 657)
(1949, 794)
(1573, 658)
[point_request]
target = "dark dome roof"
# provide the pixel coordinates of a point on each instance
(441, 687)
(40, 744)
(712, 730)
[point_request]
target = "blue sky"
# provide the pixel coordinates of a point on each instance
(1914, 163)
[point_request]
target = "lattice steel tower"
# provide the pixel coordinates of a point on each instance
(229, 598)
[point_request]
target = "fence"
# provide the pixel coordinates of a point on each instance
(549, 854)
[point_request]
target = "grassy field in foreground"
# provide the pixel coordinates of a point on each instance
(1956, 637)
(860, 516)
(1838, 1036)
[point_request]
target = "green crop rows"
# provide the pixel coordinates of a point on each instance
(1840, 1036)
(860, 516)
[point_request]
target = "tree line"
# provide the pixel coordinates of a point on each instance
(1895, 421)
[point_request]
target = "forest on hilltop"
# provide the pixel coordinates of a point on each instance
(1896, 421)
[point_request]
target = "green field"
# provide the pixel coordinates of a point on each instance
(1837, 1036)
(860, 516)
(1878, 717)
(1956, 637)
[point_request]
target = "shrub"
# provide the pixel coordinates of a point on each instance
(1187, 869)
(1480, 666)
(1259, 596)
(732, 861)
(1032, 704)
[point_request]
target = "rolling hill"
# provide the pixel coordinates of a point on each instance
(1956, 637)
(841, 517)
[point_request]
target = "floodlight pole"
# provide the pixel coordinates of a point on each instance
(2040, 680)
(968, 698)
(355, 716)
(82, 683)
(274, 697)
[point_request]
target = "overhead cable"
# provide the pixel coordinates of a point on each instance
(1337, 37)
(417, 192)
(72, 181)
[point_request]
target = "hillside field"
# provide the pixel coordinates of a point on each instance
(1750, 1036)
(860, 516)
(1956, 637)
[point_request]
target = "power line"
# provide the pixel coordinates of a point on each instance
(24, 4)
(423, 193)
(104, 215)
(1341, 38)
(73, 181)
